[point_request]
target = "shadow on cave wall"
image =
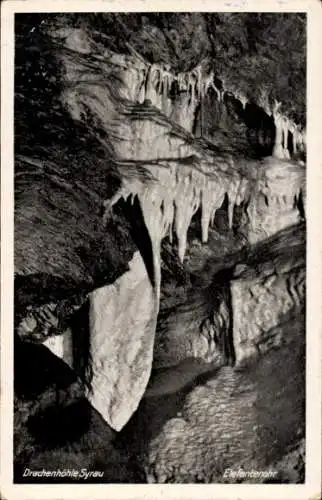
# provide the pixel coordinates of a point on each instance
(138, 231)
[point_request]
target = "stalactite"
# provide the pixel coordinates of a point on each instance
(159, 80)
(150, 91)
(212, 197)
(180, 80)
(300, 141)
(295, 140)
(285, 136)
(232, 196)
(209, 83)
(166, 208)
(278, 151)
(141, 93)
(243, 100)
(186, 202)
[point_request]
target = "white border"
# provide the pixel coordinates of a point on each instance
(312, 487)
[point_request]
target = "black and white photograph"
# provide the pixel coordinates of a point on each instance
(160, 248)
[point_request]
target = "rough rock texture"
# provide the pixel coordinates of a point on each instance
(248, 416)
(227, 419)
(236, 302)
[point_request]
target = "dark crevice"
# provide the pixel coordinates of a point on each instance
(221, 282)
(139, 232)
(300, 205)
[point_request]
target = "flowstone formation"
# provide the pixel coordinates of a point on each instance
(148, 173)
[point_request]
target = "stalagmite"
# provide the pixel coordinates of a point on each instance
(271, 207)
(278, 150)
(212, 197)
(209, 83)
(303, 139)
(141, 92)
(171, 201)
(186, 203)
(122, 344)
(240, 97)
(192, 89)
(150, 91)
(78, 40)
(243, 100)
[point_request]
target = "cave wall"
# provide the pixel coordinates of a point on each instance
(177, 143)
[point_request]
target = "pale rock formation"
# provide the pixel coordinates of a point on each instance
(266, 297)
(278, 151)
(122, 326)
(260, 304)
(62, 346)
(121, 345)
(227, 421)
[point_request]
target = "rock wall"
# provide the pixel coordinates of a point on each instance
(122, 325)
(275, 204)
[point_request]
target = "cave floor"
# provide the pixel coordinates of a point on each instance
(195, 425)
